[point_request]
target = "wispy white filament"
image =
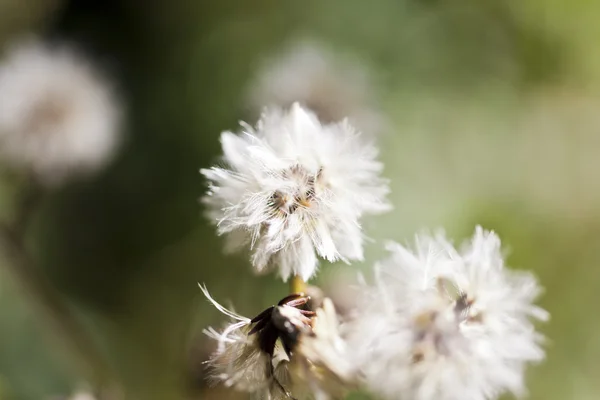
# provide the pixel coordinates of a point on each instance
(238, 360)
(446, 324)
(292, 188)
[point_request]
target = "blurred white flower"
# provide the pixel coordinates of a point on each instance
(321, 362)
(334, 87)
(283, 353)
(82, 396)
(58, 117)
(293, 188)
(447, 325)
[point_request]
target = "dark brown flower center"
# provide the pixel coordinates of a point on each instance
(301, 196)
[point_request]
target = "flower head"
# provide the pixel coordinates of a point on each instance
(58, 117)
(285, 352)
(447, 324)
(334, 87)
(293, 188)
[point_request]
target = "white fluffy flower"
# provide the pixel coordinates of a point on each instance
(57, 115)
(447, 325)
(334, 87)
(293, 188)
(283, 353)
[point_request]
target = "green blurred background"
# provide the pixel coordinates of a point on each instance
(493, 118)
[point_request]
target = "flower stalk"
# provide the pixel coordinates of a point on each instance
(52, 308)
(297, 285)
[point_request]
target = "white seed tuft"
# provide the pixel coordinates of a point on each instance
(292, 189)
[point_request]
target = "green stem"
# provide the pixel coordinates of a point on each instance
(297, 285)
(44, 296)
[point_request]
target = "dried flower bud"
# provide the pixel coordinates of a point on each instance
(285, 352)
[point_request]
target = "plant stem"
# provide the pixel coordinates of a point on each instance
(297, 285)
(44, 296)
